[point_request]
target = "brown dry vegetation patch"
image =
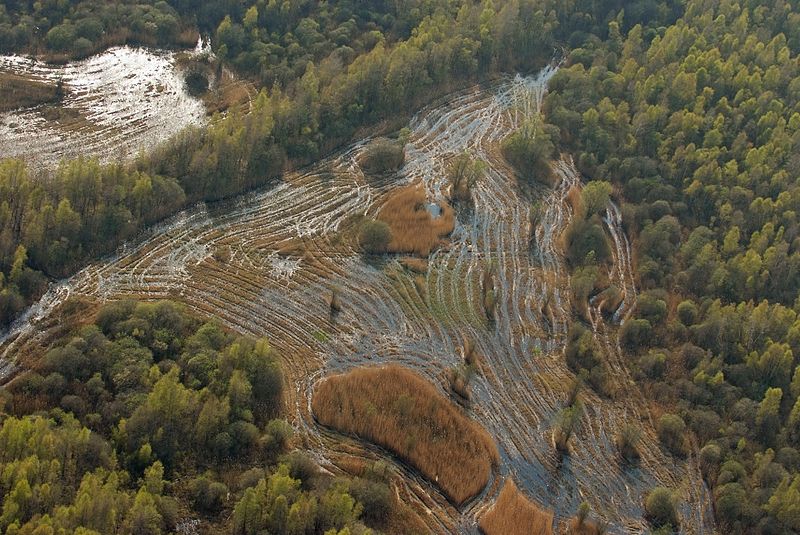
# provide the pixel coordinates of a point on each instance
(230, 93)
(399, 410)
(575, 201)
(417, 265)
(514, 514)
(414, 229)
(586, 527)
(24, 92)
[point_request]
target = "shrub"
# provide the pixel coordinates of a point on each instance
(671, 428)
(687, 312)
(529, 149)
(375, 236)
(628, 442)
(459, 378)
(207, 495)
(463, 172)
(82, 47)
(196, 82)
(653, 364)
(586, 243)
(375, 497)
(635, 333)
(60, 37)
(651, 308)
(566, 425)
(250, 478)
(382, 156)
(302, 467)
(660, 508)
(595, 197)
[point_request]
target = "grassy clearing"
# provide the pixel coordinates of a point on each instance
(514, 514)
(399, 410)
(25, 92)
(414, 229)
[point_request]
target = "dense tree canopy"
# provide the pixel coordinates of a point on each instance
(698, 126)
(146, 415)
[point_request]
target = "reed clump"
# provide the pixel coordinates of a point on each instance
(514, 514)
(414, 230)
(399, 410)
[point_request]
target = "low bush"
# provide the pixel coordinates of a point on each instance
(382, 156)
(660, 508)
(375, 236)
(671, 428)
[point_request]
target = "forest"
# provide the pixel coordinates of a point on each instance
(684, 114)
(93, 439)
(698, 130)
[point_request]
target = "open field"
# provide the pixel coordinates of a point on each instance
(397, 409)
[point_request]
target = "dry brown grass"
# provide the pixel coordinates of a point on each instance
(575, 201)
(587, 527)
(230, 94)
(417, 265)
(414, 229)
(421, 285)
(399, 410)
(24, 92)
(514, 514)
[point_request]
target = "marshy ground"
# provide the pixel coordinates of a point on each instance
(265, 265)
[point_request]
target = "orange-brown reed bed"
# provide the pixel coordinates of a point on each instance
(414, 229)
(514, 514)
(585, 527)
(395, 408)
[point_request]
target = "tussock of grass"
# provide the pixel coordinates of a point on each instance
(399, 410)
(24, 92)
(514, 514)
(414, 229)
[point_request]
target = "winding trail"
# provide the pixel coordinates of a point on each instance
(264, 263)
